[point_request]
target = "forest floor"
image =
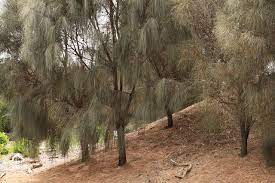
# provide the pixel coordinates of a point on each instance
(151, 152)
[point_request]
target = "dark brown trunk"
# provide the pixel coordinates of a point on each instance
(85, 155)
(269, 151)
(169, 118)
(112, 21)
(121, 145)
(245, 129)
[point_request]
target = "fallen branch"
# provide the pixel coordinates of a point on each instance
(33, 161)
(187, 167)
(36, 166)
(2, 175)
(184, 172)
(178, 164)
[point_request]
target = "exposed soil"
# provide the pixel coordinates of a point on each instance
(16, 171)
(151, 150)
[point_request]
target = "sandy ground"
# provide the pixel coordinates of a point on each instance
(16, 171)
(150, 152)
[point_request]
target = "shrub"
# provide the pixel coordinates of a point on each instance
(211, 120)
(4, 139)
(101, 133)
(21, 146)
(4, 151)
(26, 147)
(4, 119)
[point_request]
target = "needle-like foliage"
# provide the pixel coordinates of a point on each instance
(245, 32)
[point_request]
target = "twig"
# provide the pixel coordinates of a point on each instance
(2, 175)
(178, 164)
(36, 166)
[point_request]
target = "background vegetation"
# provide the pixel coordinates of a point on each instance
(87, 69)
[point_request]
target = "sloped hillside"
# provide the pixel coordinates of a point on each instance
(155, 154)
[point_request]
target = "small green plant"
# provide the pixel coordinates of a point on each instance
(4, 139)
(4, 151)
(101, 132)
(26, 147)
(21, 146)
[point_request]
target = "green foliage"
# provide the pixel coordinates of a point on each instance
(10, 30)
(65, 142)
(85, 68)
(24, 114)
(5, 125)
(102, 133)
(25, 147)
(4, 139)
(244, 31)
(4, 151)
(20, 146)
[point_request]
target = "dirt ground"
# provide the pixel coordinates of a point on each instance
(150, 153)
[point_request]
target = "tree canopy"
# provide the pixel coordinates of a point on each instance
(71, 68)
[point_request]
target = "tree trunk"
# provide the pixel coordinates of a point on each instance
(169, 118)
(85, 154)
(107, 139)
(121, 145)
(245, 129)
(268, 151)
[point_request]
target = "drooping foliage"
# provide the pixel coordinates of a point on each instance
(169, 79)
(48, 88)
(71, 68)
(245, 32)
(75, 72)
(10, 30)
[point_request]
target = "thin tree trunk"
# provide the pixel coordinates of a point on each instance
(85, 154)
(245, 129)
(169, 118)
(107, 139)
(268, 151)
(121, 145)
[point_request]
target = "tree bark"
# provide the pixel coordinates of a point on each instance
(245, 129)
(85, 154)
(169, 118)
(121, 145)
(268, 151)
